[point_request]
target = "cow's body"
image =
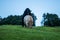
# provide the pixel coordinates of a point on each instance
(28, 21)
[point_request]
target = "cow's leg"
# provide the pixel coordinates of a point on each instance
(29, 24)
(26, 24)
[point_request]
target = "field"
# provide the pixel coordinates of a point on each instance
(16, 32)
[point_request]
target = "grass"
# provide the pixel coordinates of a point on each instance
(16, 32)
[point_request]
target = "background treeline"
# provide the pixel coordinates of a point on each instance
(17, 19)
(14, 20)
(11, 20)
(50, 19)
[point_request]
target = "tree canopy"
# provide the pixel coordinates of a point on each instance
(28, 12)
(17, 19)
(12, 20)
(51, 20)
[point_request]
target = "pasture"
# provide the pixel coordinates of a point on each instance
(17, 32)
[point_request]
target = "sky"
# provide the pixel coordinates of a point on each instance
(38, 7)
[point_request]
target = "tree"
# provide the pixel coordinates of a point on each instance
(12, 20)
(51, 20)
(0, 20)
(44, 17)
(34, 19)
(16, 19)
(28, 12)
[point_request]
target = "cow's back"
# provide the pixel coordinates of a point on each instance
(28, 20)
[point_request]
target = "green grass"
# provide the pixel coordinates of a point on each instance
(16, 32)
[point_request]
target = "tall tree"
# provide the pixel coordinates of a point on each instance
(34, 19)
(28, 12)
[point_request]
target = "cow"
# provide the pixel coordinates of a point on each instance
(28, 21)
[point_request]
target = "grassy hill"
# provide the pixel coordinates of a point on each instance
(16, 32)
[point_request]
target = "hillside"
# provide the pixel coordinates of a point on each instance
(16, 32)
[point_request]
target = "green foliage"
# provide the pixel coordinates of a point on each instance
(51, 19)
(34, 19)
(0, 20)
(28, 12)
(12, 20)
(16, 32)
(17, 19)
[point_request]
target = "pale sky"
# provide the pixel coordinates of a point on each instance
(38, 7)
